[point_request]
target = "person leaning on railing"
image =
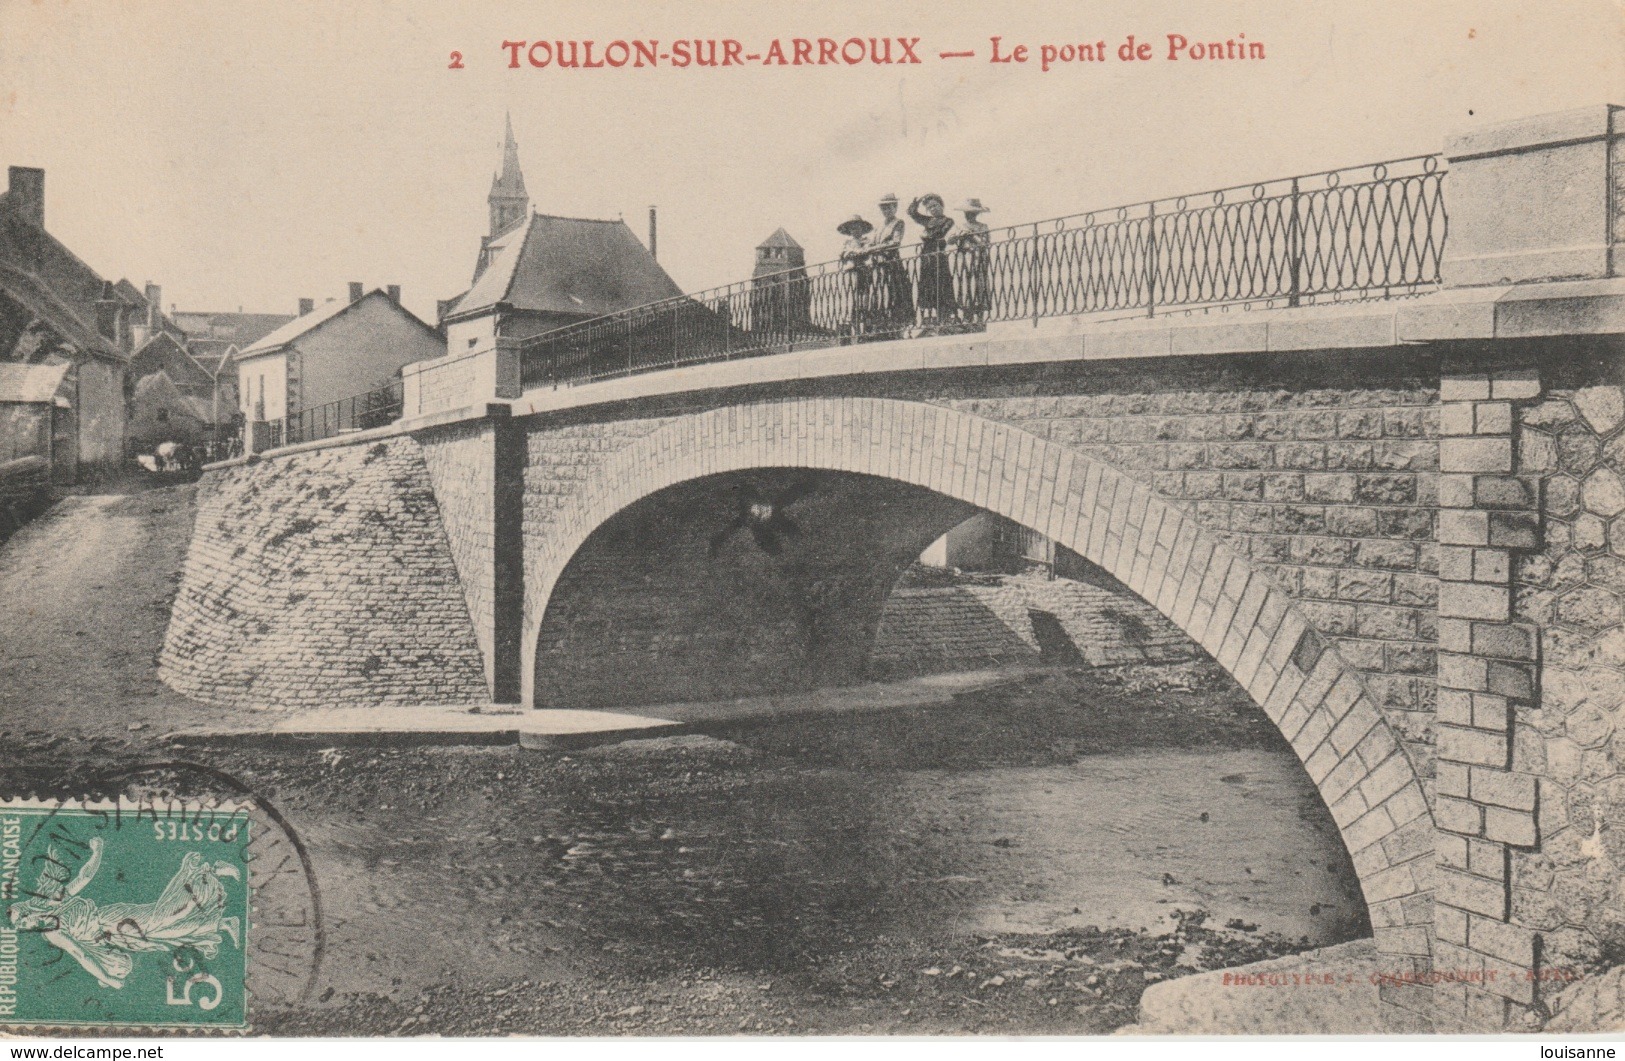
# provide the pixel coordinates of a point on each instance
(936, 298)
(855, 270)
(971, 263)
(893, 293)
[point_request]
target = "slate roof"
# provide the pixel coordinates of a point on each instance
(31, 384)
(243, 329)
(300, 326)
(568, 265)
(51, 282)
(780, 238)
(152, 345)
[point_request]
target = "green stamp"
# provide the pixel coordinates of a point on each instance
(121, 914)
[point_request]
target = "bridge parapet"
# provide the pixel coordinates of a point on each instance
(1538, 199)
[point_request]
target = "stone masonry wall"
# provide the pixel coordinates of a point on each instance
(1567, 886)
(322, 579)
(460, 461)
(989, 620)
(1324, 473)
(1326, 478)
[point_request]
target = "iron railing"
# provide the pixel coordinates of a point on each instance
(375, 408)
(1369, 231)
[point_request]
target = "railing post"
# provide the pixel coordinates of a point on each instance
(1033, 266)
(1151, 260)
(728, 323)
(1294, 249)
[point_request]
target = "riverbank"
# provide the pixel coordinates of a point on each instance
(1024, 859)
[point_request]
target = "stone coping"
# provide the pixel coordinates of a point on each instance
(488, 411)
(1526, 311)
(1585, 307)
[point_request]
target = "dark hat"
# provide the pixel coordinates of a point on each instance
(854, 226)
(929, 196)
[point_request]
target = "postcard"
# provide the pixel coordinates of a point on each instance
(864, 519)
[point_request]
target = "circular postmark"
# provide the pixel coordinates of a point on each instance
(168, 895)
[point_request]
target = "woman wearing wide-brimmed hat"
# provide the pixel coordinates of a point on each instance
(855, 268)
(936, 298)
(894, 295)
(973, 243)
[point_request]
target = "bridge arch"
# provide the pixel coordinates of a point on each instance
(1235, 612)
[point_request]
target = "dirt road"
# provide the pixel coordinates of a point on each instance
(87, 588)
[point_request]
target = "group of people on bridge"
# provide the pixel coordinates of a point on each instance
(949, 287)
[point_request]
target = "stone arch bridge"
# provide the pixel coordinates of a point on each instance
(1398, 524)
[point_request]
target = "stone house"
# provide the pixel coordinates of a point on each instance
(174, 396)
(37, 416)
(56, 310)
(290, 380)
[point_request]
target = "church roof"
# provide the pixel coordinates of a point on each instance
(780, 238)
(569, 265)
(510, 183)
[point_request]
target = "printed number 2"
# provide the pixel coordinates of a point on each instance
(186, 998)
(456, 61)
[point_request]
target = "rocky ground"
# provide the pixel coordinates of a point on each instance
(787, 877)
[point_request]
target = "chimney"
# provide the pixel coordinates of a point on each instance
(109, 314)
(653, 252)
(394, 291)
(356, 291)
(155, 305)
(27, 193)
(306, 305)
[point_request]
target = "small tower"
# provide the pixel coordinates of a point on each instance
(777, 253)
(780, 299)
(509, 200)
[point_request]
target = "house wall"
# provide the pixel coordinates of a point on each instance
(359, 350)
(264, 379)
(102, 412)
(471, 336)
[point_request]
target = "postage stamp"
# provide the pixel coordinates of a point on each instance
(124, 914)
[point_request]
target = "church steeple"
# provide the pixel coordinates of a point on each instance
(508, 199)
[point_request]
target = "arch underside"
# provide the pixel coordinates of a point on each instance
(1237, 614)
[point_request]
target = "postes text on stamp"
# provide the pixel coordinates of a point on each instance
(121, 914)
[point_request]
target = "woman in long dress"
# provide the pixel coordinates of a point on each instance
(189, 912)
(893, 293)
(936, 298)
(856, 271)
(973, 243)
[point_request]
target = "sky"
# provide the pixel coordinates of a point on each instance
(248, 154)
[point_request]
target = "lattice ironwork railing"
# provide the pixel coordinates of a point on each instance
(378, 407)
(1369, 231)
